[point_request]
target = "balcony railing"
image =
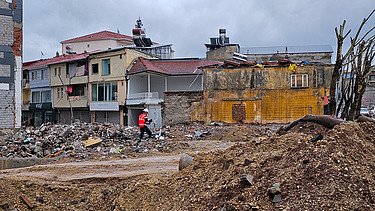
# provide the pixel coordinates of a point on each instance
(77, 98)
(143, 98)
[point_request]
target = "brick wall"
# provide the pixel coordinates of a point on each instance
(10, 63)
(6, 108)
(182, 107)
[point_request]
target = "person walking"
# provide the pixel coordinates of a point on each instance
(142, 121)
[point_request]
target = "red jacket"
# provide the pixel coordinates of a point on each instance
(142, 120)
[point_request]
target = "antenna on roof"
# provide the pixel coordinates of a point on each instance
(118, 31)
(41, 55)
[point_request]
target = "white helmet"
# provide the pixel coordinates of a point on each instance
(145, 110)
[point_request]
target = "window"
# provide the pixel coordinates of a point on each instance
(299, 80)
(59, 71)
(95, 68)
(45, 74)
(371, 78)
(67, 70)
(104, 91)
(77, 90)
(46, 96)
(106, 70)
(60, 93)
(55, 71)
(33, 75)
(35, 97)
(94, 92)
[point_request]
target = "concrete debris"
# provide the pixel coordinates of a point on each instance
(246, 180)
(185, 161)
(274, 193)
(86, 140)
(79, 140)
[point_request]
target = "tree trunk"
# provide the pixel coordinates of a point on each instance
(326, 121)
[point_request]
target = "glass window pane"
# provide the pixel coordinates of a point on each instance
(46, 96)
(105, 67)
(94, 92)
(114, 92)
(101, 92)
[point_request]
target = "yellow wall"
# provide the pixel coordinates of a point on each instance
(271, 100)
(26, 96)
(55, 80)
(118, 68)
(76, 101)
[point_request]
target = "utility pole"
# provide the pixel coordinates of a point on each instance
(70, 103)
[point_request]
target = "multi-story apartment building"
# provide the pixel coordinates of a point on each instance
(69, 81)
(40, 97)
(107, 83)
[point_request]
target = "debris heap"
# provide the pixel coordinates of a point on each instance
(293, 171)
(76, 140)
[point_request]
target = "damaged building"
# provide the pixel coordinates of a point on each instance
(273, 92)
(10, 63)
(221, 49)
(170, 88)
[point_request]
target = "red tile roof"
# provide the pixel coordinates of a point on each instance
(55, 60)
(102, 35)
(171, 66)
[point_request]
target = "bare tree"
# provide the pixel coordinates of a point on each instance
(351, 70)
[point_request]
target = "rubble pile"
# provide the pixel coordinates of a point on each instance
(77, 140)
(88, 140)
(293, 171)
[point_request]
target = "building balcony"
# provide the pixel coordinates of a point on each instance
(25, 84)
(143, 98)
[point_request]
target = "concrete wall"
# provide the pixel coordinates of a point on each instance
(181, 107)
(297, 57)
(10, 63)
(182, 83)
(137, 83)
(39, 81)
(223, 53)
(80, 47)
(157, 84)
(263, 95)
(55, 80)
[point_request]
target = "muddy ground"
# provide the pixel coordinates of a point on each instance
(234, 168)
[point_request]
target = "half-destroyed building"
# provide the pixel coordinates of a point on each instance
(10, 63)
(221, 49)
(276, 92)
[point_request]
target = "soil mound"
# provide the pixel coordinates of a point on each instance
(293, 171)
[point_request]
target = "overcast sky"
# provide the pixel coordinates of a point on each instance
(188, 24)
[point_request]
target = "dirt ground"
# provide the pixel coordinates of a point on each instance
(233, 169)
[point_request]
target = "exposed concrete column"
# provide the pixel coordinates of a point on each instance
(121, 115)
(202, 84)
(148, 83)
(18, 91)
(166, 84)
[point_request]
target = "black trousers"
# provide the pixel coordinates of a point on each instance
(143, 130)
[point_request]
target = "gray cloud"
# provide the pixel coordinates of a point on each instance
(188, 24)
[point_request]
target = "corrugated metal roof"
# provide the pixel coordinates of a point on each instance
(287, 49)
